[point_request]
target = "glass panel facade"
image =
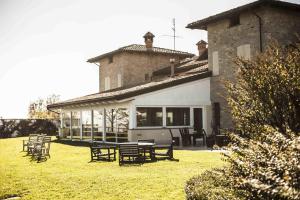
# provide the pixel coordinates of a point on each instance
(149, 116)
(75, 125)
(86, 125)
(66, 120)
(178, 116)
(98, 129)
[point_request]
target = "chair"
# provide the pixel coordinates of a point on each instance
(175, 140)
(31, 139)
(185, 136)
(167, 154)
(42, 149)
(46, 146)
(34, 144)
(97, 152)
(131, 152)
(199, 134)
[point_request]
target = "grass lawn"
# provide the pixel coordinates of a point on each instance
(68, 174)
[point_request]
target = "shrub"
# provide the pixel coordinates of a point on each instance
(211, 185)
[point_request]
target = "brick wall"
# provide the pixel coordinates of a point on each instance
(276, 23)
(132, 67)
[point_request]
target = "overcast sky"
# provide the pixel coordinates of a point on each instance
(44, 44)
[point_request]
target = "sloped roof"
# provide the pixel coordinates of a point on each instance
(185, 65)
(202, 24)
(142, 48)
(124, 93)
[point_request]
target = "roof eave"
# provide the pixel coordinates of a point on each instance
(133, 93)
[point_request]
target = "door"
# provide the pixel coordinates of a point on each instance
(198, 119)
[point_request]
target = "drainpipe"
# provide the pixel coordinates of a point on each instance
(260, 32)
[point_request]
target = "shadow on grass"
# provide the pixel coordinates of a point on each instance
(72, 143)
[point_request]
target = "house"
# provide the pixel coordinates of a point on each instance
(145, 90)
(141, 94)
(243, 31)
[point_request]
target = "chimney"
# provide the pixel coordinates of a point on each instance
(149, 40)
(172, 61)
(201, 46)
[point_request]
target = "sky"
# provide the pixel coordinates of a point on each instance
(44, 44)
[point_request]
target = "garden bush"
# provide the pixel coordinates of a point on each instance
(24, 127)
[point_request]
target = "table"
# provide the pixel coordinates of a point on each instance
(147, 147)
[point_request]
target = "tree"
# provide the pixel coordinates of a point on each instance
(264, 156)
(38, 108)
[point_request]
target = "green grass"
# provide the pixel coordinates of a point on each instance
(68, 174)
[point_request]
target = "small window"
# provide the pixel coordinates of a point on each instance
(119, 80)
(110, 59)
(234, 21)
(243, 51)
(148, 117)
(178, 116)
(215, 63)
(107, 83)
(147, 77)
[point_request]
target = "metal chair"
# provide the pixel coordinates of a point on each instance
(185, 136)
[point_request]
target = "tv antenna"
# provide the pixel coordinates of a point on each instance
(174, 36)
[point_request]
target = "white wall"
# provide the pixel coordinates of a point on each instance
(194, 93)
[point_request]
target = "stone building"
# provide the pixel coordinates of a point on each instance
(243, 31)
(133, 64)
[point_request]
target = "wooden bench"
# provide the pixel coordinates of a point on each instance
(131, 152)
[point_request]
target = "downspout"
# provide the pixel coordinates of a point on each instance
(260, 32)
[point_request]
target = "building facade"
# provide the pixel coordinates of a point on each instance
(244, 31)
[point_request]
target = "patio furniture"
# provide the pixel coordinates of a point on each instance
(131, 152)
(146, 147)
(199, 134)
(175, 140)
(185, 136)
(163, 151)
(34, 144)
(31, 139)
(42, 150)
(102, 152)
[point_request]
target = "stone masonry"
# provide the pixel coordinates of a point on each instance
(277, 23)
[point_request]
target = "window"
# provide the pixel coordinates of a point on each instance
(234, 21)
(150, 116)
(178, 116)
(119, 80)
(147, 78)
(215, 63)
(110, 59)
(107, 83)
(243, 51)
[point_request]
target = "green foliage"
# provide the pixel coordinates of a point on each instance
(264, 157)
(24, 127)
(211, 185)
(267, 91)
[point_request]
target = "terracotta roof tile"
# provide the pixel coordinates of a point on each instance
(141, 48)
